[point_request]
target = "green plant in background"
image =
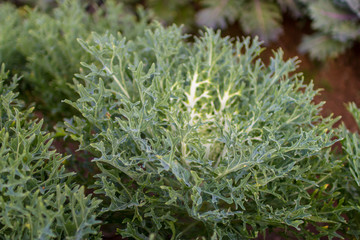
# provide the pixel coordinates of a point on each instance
(336, 23)
(48, 42)
(255, 17)
(10, 22)
(204, 140)
(176, 11)
(262, 18)
(37, 198)
(337, 27)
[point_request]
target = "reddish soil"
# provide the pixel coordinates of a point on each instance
(342, 76)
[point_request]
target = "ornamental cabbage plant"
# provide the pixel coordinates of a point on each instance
(201, 140)
(37, 199)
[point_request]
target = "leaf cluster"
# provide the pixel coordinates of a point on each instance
(335, 22)
(37, 198)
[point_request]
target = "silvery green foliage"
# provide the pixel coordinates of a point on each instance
(37, 201)
(10, 20)
(203, 140)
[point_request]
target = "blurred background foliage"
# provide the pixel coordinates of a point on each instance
(334, 23)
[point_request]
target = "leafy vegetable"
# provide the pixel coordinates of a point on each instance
(204, 139)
